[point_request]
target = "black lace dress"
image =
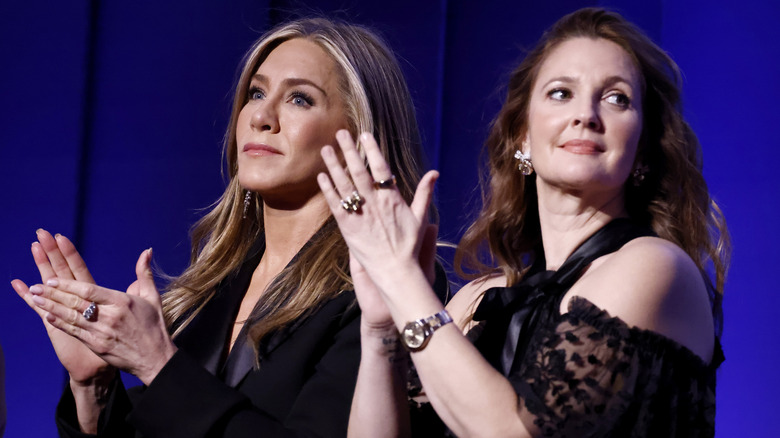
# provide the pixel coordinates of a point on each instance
(585, 373)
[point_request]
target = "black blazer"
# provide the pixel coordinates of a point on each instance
(303, 387)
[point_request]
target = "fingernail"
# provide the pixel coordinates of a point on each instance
(36, 289)
(53, 282)
(57, 236)
(38, 230)
(38, 300)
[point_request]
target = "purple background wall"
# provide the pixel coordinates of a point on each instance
(111, 115)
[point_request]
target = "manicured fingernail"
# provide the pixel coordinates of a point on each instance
(38, 300)
(53, 282)
(36, 289)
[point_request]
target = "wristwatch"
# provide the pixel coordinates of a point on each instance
(416, 334)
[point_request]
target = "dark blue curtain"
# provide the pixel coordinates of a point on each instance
(113, 114)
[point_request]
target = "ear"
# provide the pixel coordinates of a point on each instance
(525, 146)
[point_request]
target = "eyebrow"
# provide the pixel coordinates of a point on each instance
(290, 82)
(612, 80)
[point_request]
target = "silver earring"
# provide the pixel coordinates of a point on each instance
(526, 166)
(639, 173)
(247, 201)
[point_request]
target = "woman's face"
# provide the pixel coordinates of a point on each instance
(585, 117)
(294, 109)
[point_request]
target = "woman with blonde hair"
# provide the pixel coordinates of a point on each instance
(590, 313)
(260, 334)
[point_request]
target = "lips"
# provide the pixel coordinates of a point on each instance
(259, 149)
(583, 147)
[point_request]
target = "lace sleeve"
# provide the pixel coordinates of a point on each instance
(589, 374)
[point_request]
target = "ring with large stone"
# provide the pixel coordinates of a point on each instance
(385, 183)
(352, 204)
(90, 313)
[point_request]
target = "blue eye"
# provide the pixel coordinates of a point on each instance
(618, 99)
(559, 94)
(299, 98)
(255, 93)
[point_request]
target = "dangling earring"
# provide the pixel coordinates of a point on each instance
(247, 201)
(526, 166)
(639, 173)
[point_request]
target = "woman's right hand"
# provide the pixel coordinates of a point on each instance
(57, 257)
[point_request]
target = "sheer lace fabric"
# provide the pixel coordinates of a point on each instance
(588, 374)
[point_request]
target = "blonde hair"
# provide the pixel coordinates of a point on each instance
(672, 199)
(377, 100)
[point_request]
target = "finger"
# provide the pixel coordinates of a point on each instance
(380, 170)
(23, 291)
(42, 261)
(69, 324)
(331, 196)
(73, 258)
(341, 182)
(423, 195)
(355, 163)
(58, 311)
(143, 271)
(56, 259)
(60, 297)
(87, 291)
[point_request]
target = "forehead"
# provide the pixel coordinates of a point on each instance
(589, 58)
(299, 58)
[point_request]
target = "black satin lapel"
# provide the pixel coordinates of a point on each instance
(240, 361)
(206, 337)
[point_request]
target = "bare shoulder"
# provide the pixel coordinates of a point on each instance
(652, 284)
(463, 304)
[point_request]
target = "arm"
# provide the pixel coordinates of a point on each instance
(380, 401)
(469, 395)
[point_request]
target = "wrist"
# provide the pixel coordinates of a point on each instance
(102, 378)
(147, 375)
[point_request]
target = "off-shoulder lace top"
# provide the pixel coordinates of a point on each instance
(585, 373)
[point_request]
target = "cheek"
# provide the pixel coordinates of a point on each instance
(242, 123)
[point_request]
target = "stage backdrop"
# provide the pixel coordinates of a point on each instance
(112, 114)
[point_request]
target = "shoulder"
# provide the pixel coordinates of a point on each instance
(652, 284)
(465, 301)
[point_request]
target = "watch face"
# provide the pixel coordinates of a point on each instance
(413, 335)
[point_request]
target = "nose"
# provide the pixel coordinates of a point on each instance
(587, 116)
(265, 117)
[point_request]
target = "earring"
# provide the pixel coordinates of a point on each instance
(639, 173)
(526, 166)
(247, 201)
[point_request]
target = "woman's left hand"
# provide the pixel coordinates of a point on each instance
(128, 329)
(383, 233)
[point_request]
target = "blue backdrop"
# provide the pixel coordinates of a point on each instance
(112, 113)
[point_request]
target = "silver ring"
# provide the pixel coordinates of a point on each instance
(385, 183)
(90, 313)
(352, 204)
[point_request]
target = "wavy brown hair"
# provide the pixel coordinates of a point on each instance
(672, 199)
(377, 100)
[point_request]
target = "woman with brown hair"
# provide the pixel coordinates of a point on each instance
(259, 336)
(590, 314)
